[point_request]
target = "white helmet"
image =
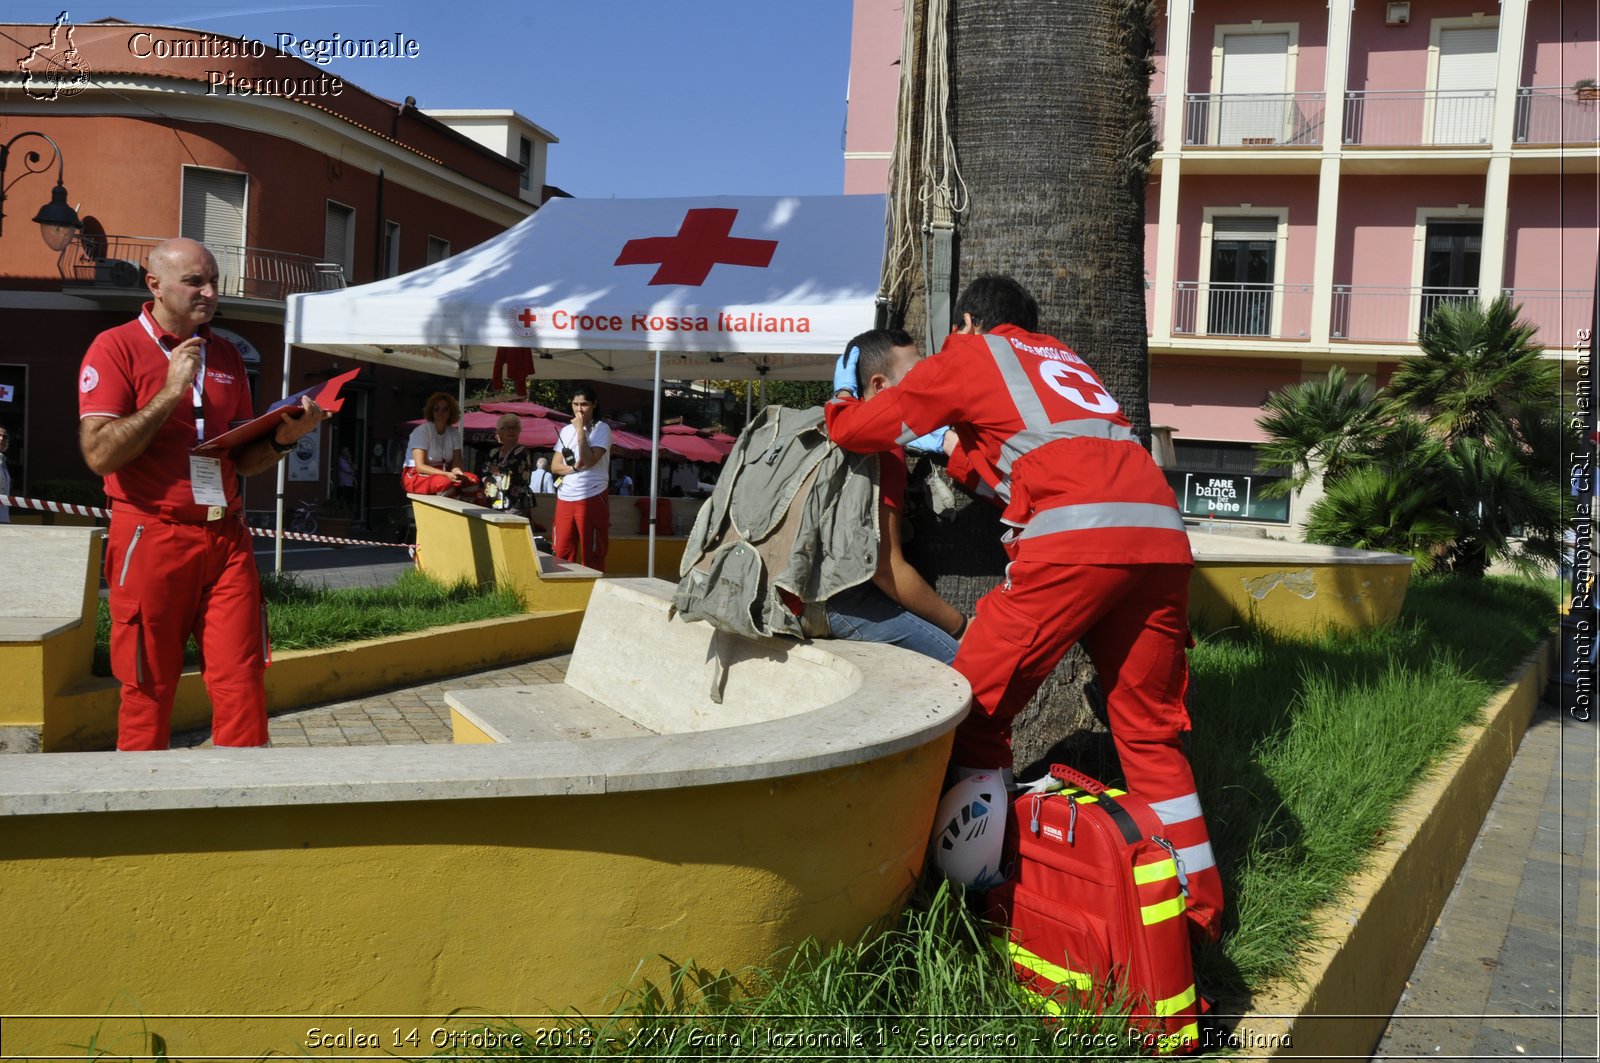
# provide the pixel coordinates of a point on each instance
(969, 831)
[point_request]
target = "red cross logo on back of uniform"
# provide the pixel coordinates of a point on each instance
(703, 241)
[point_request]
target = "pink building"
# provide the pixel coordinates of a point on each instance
(1327, 175)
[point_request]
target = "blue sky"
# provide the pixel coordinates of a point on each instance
(648, 98)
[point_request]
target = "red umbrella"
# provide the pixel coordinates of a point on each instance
(626, 442)
(525, 409)
(692, 448)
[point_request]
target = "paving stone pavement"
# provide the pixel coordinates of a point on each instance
(1510, 969)
(403, 716)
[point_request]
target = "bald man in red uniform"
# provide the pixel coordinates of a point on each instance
(178, 557)
(1097, 546)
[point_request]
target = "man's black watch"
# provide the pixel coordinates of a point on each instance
(281, 448)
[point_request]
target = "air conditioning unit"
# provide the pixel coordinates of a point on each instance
(1398, 14)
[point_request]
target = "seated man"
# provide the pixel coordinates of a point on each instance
(897, 606)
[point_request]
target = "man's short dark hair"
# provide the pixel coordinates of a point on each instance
(877, 352)
(995, 300)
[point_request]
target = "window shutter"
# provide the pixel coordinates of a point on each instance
(1239, 228)
(213, 213)
(337, 237)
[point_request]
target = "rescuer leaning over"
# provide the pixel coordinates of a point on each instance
(1097, 546)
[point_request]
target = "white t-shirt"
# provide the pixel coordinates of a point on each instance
(585, 483)
(439, 446)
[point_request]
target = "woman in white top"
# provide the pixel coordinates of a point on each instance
(583, 507)
(433, 453)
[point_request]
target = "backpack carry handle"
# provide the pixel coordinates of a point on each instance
(1077, 778)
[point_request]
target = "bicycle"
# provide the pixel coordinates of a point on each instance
(304, 519)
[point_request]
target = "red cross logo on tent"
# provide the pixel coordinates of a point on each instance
(524, 321)
(703, 241)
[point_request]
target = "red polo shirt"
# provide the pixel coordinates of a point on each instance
(123, 371)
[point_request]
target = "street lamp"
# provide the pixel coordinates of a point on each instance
(57, 221)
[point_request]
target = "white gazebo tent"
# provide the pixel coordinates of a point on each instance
(726, 287)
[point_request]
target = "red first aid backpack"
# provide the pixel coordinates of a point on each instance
(1095, 912)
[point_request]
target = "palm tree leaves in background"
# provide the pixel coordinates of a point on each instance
(1477, 364)
(1457, 463)
(1329, 424)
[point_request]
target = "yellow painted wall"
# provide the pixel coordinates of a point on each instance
(628, 555)
(1295, 597)
(452, 546)
(518, 905)
(32, 673)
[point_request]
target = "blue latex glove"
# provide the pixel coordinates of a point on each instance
(844, 372)
(932, 443)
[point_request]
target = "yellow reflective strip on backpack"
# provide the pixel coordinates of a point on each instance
(1174, 1004)
(1143, 874)
(1041, 966)
(1156, 913)
(1174, 1042)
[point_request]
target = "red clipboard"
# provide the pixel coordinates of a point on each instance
(325, 394)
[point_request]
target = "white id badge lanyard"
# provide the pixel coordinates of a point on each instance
(205, 474)
(197, 388)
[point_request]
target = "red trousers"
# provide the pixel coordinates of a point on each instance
(583, 526)
(170, 580)
(1133, 621)
(415, 483)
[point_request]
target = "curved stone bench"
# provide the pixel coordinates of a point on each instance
(525, 877)
(1292, 587)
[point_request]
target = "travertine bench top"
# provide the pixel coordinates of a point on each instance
(1214, 547)
(46, 572)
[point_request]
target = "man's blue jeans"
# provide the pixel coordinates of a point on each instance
(866, 614)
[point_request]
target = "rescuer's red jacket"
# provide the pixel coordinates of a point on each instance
(1036, 425)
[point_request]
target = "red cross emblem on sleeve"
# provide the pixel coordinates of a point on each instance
(703, 241)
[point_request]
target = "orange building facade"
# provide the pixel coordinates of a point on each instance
(296, 180)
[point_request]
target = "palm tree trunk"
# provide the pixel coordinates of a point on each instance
(1050, 114)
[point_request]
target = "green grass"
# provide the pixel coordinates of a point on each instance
(301, 616)
(1303, 749)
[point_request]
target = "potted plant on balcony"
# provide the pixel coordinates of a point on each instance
(1586, 89)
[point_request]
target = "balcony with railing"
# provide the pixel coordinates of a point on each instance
(1241, 310)
(119, 262)
(1418, 117)
(1559, 314)
(1557, 115)
(1254, 120)
(1373, 314)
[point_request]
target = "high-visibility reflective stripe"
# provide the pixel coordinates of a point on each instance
(1174, 1041)
(1103, 515)
(1160, 913)
(1041, 966)
(1029, 408)
(1143, 874)
(1197, 857)
(1085, 798)
(1028, 439)
(907, 434)
(1045, 1004)
(1174, 1004)
(1177, 809)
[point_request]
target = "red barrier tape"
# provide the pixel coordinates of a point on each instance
(269, 533)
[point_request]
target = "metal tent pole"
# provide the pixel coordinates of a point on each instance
(283, 470)
(655, 465)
